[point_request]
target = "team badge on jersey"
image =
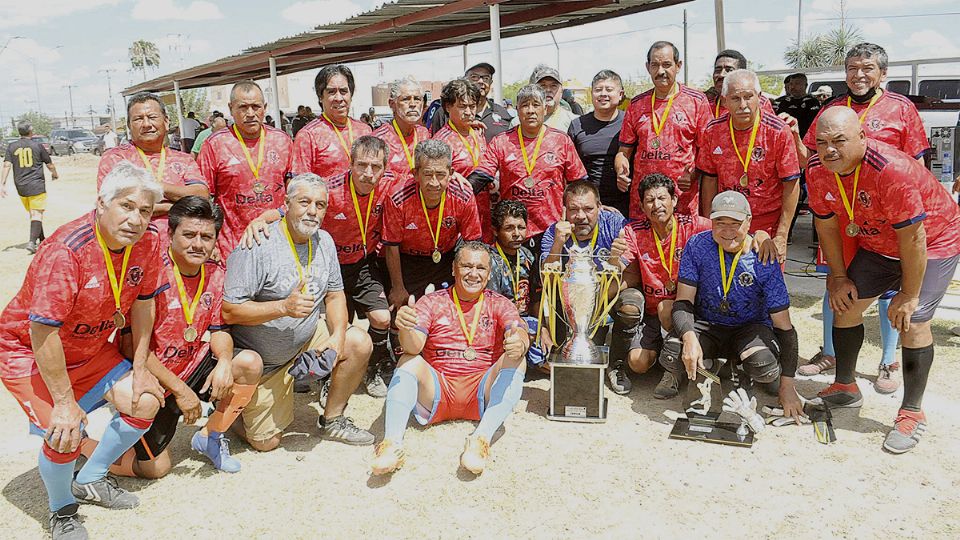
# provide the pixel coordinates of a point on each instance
(758, 154)
(273, 156)
(875, 124)
(864, 199)
(449, 222)
(745, 279)
(134, 276)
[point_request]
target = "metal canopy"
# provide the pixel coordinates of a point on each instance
(398, 28)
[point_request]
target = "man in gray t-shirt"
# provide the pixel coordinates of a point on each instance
(274, 301)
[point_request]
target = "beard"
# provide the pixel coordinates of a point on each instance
(305, 228)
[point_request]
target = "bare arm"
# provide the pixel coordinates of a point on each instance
(398, 293)
(621, 164)
(53, 171)
(708, 190)
(337, 320)
(251, 313)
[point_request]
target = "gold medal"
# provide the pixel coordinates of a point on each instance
(190, 334)
(724, 306)
(528, 181)
(436, 256)
(852, 230)
(655, 143)
(671, 286)
(726, 279)
(744, 181)
(116, 282)
(745, 161)
(468, 332)
(849, 203)
(119, 320)
(255, 169)
(259, 188)
(661, 121)
(469, 354)
(434, 234)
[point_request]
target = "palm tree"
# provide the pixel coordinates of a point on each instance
(840, 40)
(143, 54)
(810, 53)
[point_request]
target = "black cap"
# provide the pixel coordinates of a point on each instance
(483, 65)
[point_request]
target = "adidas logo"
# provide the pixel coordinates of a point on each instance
(92, 284)
(511, 157)
(174, 304)
(829, 197)
(341, 216)
(411, 227)
(717, 151)
(443, 320)
(396, 158)
(233, 161)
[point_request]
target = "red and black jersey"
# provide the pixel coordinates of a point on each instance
(341, 219)
(398, 164)
(717, 110)
(319, 150)
(406, 226)
(465, 163)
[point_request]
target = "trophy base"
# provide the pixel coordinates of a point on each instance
(576, 392)
(711, 431)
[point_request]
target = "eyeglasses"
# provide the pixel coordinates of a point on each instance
(476, 78)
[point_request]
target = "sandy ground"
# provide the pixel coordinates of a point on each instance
(623, 478)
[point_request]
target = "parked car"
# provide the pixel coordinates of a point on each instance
(44, 141)
(5, 143)
(65, 142)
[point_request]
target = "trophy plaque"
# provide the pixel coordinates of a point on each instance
(703, 404)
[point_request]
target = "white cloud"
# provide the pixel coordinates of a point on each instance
(318, 12)
(166, 10)
(930, 44)
(876, 28)
(872, 6)
(17, 13)
(22, 49)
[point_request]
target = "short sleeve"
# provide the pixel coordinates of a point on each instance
(425, 314)
(44, 155)
(334, 278)
(774, 289)
(507, 315)
(788, 166)
(154, 279)
(8, 155)
(192, 176)
(816, 198)
(546, 242)
(633, 247)
(54, 297)
(689, 262)
(914, 138)
(470, 217)
(810, 139)
(301, 159)
(207, 165)
(244, 275)
(573, 164)
(628, 133)
(703, 117)
(216, 313)
(490, 159)
(107, 162)
(392, 222)
(900, 195)
(705, 161)
(197, 144)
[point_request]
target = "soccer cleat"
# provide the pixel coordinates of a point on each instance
(820, 363)
(907, 430)
(668, 386)
(888, 378)
(476, 451)
(619, 380)
(387, 458)
(839, 396)
(32, 247)
(374, 383)
(217, 449)
(342, 429)
(65, 524)
(324, 392)
(105, 492)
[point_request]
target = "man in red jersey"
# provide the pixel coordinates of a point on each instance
(752, 151)
(323, 146)
(246, 165)
(463, 359)
(726, 61)
(405, 131)
(661, 131)
(908, 227)
(58, 351)
(422, 221)
(535, 162)
(177, 172)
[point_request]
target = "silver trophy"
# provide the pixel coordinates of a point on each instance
(579, 290)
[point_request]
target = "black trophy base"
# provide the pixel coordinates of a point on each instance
(712, 432)
(576, 393)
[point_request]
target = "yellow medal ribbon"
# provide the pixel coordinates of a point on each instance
(673, 248)
(753, 140)
(847, 205)
(474, 150)
(516, 276)
(115, 284)
(343, 142)
(362, 221)
(531, 163)
(158, 172)
(658, 123)
(403, 142)
(435, 235)
(593, 241)
(293, 249)
(191, 308)
(869, 105)
(716, 112)
(727, 281)
(472, 331)
(254, 169)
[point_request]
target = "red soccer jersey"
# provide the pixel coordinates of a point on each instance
(405, 225)
(774, 161)
(67, 286)
(240, 194)
(464, 164)
(674, 150)
(894, 191)
(341, 219)
(176, 353)
(437, 318)
(717, 110)
(397, 163)
(319, 150)
(893, 119)
(642, 248)
(556, 164)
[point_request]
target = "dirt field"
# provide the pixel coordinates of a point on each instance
(620, 479)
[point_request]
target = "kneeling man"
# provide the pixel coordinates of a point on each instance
(463, 359)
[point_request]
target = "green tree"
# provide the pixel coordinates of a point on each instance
(510, 90)
(144, 54)
(192, 100)
(42, 124)
(811, 52)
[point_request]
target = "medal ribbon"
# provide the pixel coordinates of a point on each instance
(115, 284)
(843, 192)
(657, 122)
(435, 235)
(873, 100)
(753, 140)
(254, 169)
(158, 172)
(191, 308)
(362, 221)
(472, 331)
(727, 281)
(293, 249)
(716, 112)
(673, 248)
(516, 277)
(406, 149)
(531, 163)
(474, 150)
(343, 142)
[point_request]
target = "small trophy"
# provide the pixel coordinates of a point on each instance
(703, 403)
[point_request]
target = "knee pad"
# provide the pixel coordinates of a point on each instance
(762, 366)
(670, 355)
(629, 308)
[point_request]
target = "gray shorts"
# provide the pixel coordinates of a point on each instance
(647, 335)
(873, 274)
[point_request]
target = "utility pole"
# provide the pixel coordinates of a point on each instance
(113, 116)
(70, 88)
(686, 65)
(557, 46)
(799, 21)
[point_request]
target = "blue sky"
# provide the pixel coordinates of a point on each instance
(70, 42)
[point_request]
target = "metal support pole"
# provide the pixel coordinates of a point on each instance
(495, 42)
(721, 37)
(274, 106)
(36, 85)
(799, 21)
(110, 103)
(686, 65)
(556, 45)
(914, 76)
(466, 61)
(179, 106)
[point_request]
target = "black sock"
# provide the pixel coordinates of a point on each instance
(42, 236)
(620, 343)
(846, 345)
(916, 369)
(380, 352)
(36, 230)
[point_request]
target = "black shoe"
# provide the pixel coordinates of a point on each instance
(619, 380)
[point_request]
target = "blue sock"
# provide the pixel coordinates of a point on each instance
(504, 396)
(118, 437)
(827, 328)
(888, 336)
(401, 399)
(56, 478)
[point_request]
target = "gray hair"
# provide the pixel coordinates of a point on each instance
(432, 149)
(868, 50)
(399, 84)
(739, 75)
(126, 176)
(472, 245)
(24, 129)
(531, 91)
(304, 180)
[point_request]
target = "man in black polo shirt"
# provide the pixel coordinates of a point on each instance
(494, 117)
(797, 102)
(27, 157)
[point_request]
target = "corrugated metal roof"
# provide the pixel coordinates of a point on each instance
(398, 28)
